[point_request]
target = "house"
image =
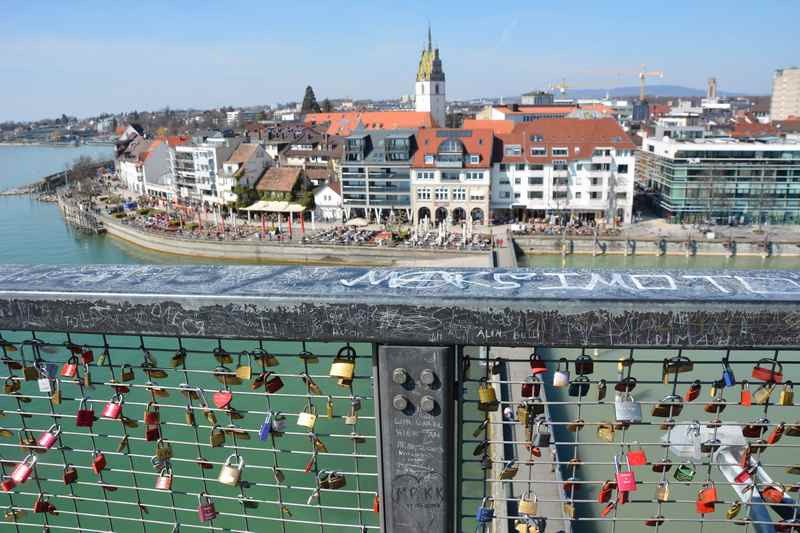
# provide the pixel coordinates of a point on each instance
(244, 167)
(524, 113)
(161, 183)
(328, 202)
(346, 122)
(144, 166)
(283, 183)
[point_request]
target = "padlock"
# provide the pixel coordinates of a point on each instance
(163, 450)
(344, 364)
(528, 504)
(217, 437)
(602, 387)
(793, 430)
(637, 457)
(627, 409)
(55, 394)
(728, 378)
(222, 356)
(23, 470)
(265, 358)
(605, 431)
(87, 355)
(331, 480)
(164, 479)
(258, 381)
(156, 391)
(774, 374)
(480, 448)
(44, 382)
(230, 474)
(745, 397)
(206, 510)
(531, 387)
(706, 498)
(541, 437)
(733, 511)
(576, 425)
(376, 504)
(87, 378)
(606, 491)
(786, 397)
(41, 505)
(113, 408)
(776, 434)
(311, 385)
(510, 470)
(244, 371)
(178, 358)
(485, 511)
(329, 408)
(669, 406)
(526, 526)
(27, 442)
(311, 462)
(222, 398)
(537, 365)
(584, 365)
(496, 366)
(126, 373)
(70, 368)
(626, 481)
(522, 416)
(693, 392)
(122, 446)
(48, 438)
(30, 373)
(279, 423)
(654, 521)
(561, 375)
(307, 418)
(70, 474)
(626, 384)
(318, 444)
(266, 427)
(717, 406)
(579, 387)
(98, 462)
(685, 472)
(755, 429)
(308, 357)
(762, 394)
(273, 384)
(85, 415)
(224, 375)
(710, 445)
(773, 494)
(678, 364)
(487, 397)
(152, 433)
(152, 413)
(662, 491)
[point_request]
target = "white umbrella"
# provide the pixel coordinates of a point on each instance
(356, 222)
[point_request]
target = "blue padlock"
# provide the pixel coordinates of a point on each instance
(266, 427)
(485, 512)
(728, 379)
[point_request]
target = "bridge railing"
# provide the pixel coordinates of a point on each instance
(318, 399)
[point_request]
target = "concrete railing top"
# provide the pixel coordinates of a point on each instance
(520, 307)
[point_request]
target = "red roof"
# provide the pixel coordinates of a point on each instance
(345, 123)
(476, 142)
(497, 126)
(538, 109)
(279, 179)
(579, 136)
(748, 126)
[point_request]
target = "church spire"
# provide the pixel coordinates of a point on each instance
(430, 41)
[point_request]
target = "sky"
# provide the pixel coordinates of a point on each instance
(83, 58)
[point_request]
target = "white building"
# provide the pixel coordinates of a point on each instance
(562, 169)
(140, 162)
(430, 86)
(785, 94)
(328, 202)
(198, 168)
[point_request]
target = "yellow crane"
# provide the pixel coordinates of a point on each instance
(562, 87)
(643, 74)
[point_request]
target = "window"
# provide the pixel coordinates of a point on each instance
(474, 159)
(459, 194)
(622, 169)
(559, 195)
(516, 196)
(537, 138)
(517, 181)
(502, 167)
(425, 176)
(504, 181)
(578, 195)
(513, 149)
(450, 176)
(536, 181)
(441, 193)
(595, 182)
(428, 159)
(535, 195)
(505, 194)
(474, 176)
(595, 195)
(521, 166)
(559, 165)
(538, 151)
(560, 152)
(476, 196)
(560, 182)
(536, 168)
(436, 86)
(622, 196)
(423, 194)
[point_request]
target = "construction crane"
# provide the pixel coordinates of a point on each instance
(643, 74)
(562, 87)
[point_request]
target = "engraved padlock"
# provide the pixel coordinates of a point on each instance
(528, 504)
(307, 418)
(786, 397)
(230, 474)
(206, 510)
(49, 437)
(541, 436)
(487, 396)
(626, 480)
(164, 479)
(561, 375)
(70, 368)
(344, 364)
(23, 470)
(113, 408)
(485, 512)
(163, 450)
(627, 409)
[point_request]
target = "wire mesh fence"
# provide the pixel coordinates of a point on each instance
(131, 433)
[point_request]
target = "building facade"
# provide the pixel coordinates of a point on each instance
(564, 169)
(430, 86)
(785, 94)
(451, 175)
(723, 180)
(375, 173)
(197, 167)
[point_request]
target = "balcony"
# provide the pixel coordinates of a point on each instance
(210, 357)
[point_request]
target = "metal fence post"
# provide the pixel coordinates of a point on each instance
(415, 415)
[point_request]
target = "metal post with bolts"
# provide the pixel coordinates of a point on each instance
(414, 391)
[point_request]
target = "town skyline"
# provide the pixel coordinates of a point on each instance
(99, 69)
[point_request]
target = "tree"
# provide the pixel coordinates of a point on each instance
(327, 107)
(310, 104)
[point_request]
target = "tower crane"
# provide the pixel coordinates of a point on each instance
(643, 74)
(562, 87)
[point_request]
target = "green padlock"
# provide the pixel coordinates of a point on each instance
(685, 472)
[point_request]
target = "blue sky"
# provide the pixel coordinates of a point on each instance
(83, 58)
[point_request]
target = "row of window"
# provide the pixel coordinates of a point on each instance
(450, 176)
(471, 159)
(560, 195)
(561, 151)
(458, 194)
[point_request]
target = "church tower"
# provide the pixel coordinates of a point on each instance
(430, 94)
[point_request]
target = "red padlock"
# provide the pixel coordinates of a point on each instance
(693, 393)
(49, 437)
(70, 368)
(98, 463)
(87, 356)
(606, 491)
(164, 479)
(607, 509)
(151, 413)
(626, 481)
(777, 433)
(637, 457)
(23, 470)
(771, 374)
(7, 485)
(41, 505)
(772, 494)
(84, 418)
(275, 384)
(70, 474)
(205, 508)
(113, 408)
(537, 365)
(745, 398)
(152, 433)
(376, 504)
(706, 499)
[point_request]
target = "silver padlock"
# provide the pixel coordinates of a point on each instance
(44, 379)
(627, 409)
(230, 474)
(561, 377)
(541, 437)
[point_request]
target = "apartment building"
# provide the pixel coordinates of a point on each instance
(563, 169)
(197, 167)
(724, 180)
(451, 175)
(785, 94)
(375, 173)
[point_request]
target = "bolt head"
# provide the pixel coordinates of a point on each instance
(399, 402)
(399, 376)
(427, 404)
(427, 377)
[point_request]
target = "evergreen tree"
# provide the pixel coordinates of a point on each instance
(310, 104)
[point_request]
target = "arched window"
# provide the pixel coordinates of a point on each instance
(436, 86)
(451, 146)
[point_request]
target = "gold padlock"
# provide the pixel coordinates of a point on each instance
(762, 394)
(163, 450)
(344, 364)
(11, 385)
(55, 394)
(307, 418)
(662, 491)
(230, 474)
(217, 437)
(787, 394)
(509, 470)
(522, 414)
(222, 356)
(605, 432)
(30, 373)
(127, 373)
(123, 444)
(329, 408)
(313, 387)
(244, 371)
(265, 358)
(526, 527)
(528, 504)
(487, 397)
